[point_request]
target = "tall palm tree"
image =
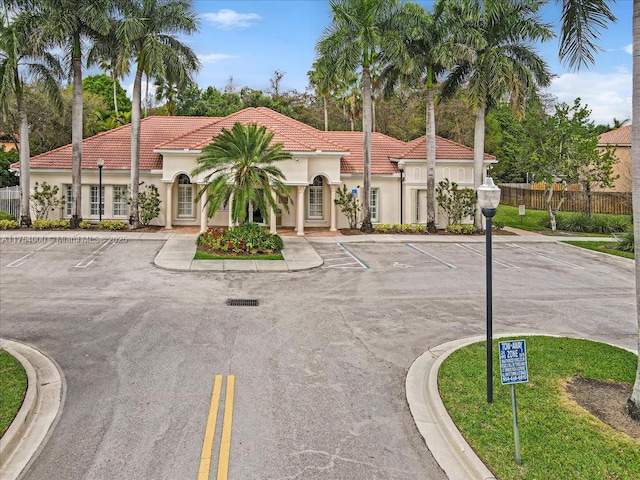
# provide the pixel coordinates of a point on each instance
(19, 61)
(359, 31)
(69, 24)
(169, 89)
(240, 165)
(506, 65)
(322, 78)
(434, 47)
(149, 32)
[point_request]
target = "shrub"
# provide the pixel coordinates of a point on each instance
(6, 216)
(45, 199)
(40, 224)
(382, 227)
(6, 224)
(627, 242)
(112, 225)
(249, 238)
(420, 229)
(580, 222)
(349, 205)
(85, 224)
(460, 229)
(458, 203)
(148, 205)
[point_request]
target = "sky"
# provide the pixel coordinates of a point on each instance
(248, 40)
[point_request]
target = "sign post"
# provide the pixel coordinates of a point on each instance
(513, 369)
(521, 211)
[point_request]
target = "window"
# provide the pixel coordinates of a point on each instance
(315, 203)
(95, 200)
(120, 200)
(446, 173)
(374, 197)
(69, 201)
(460, 175)
(185, 196)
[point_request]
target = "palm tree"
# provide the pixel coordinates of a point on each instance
(359, 31)
(18, 59)
(322, 78)
(149, 32)
(239, 164)
(169, 89)
(434, 48)
(68, 24)
(506, 66)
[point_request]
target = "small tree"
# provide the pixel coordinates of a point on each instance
(148, 205)
(45, 199)
(457, 203)
(349, 205)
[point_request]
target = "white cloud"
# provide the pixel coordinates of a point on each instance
(607, 95)
(210, 58)
(227, 19)
(629, 49)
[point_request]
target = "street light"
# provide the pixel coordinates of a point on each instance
(100, 163)
(401, 169)
(489, 198)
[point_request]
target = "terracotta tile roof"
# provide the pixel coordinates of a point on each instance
(619, 136)
(445, 150)
(294, 135)
(382, 148)
(114, 146)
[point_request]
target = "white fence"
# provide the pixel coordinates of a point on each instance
(10, 200)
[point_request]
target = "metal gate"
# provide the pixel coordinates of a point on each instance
(10, 200)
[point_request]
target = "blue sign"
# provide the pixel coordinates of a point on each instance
(354, 191)
(513, 362)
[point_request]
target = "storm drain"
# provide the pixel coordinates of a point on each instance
(242, 302)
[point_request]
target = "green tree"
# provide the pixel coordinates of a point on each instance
(19, 60)
(359, 31)
(148, 33)
(240, 170)
(103, 86)
(322, 79)
(457, 203)
(7, 177)
(506, 65)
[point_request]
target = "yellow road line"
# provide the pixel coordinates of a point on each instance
(225, 442)
(210, 430)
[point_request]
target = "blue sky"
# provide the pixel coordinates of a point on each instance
(249, 40)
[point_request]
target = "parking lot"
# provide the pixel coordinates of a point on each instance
(317, 367)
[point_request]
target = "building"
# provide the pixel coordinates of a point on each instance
(321, 162)
(620, 140)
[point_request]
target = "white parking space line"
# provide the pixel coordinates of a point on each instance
(449, 265)
(24, 258)
(480, 254)
(92, 257)
(364, 265)
(546, 257)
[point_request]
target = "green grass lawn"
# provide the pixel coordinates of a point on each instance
(13, 386)
(604, 247)
(557, 440)
(208, 256)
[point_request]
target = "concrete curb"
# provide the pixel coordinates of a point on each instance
(39, 410)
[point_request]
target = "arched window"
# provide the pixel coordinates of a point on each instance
(185, 196)
(446, 173)
(460, 174)
(315, 208)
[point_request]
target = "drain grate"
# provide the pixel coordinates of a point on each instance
(242, 302)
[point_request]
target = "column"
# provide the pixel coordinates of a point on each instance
(332, 208)
(204, 214)
(300, 210)
(169, 210)
(272, 220)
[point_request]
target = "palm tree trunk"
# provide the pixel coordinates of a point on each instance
(478, 161)
(115, 91)
(25, 180)
(326, 113)
(135, 148)
(633, 404)
(76, 135)
(366, 151)
(431, 163)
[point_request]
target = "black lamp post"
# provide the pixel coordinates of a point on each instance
(489, 198)
(401, 169)
(100, 163)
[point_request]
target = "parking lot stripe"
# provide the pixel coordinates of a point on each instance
(411, 245)
(472, 250)
(364, 265)
(84, 263)
(225, 442)
(24, 258)
(210, 430)
(551, 259)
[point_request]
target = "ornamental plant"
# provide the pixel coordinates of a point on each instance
(246, 239)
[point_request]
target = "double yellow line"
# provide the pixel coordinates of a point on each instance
(210, 430)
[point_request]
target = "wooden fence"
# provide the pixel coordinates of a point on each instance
(575, 201)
